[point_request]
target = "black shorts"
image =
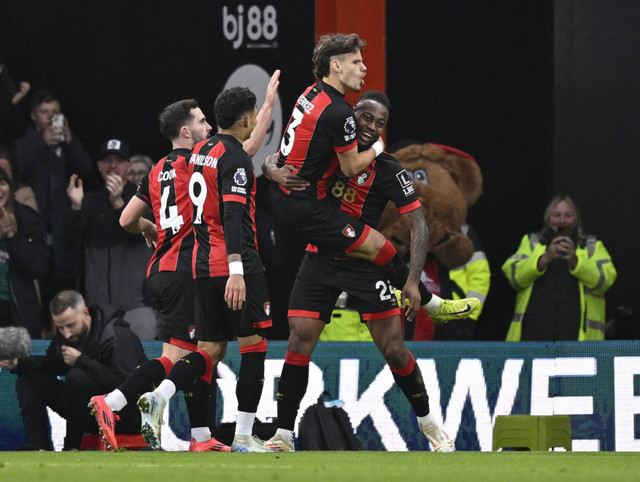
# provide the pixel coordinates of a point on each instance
(171, 293)
(320, 281)
(320, 222)
(215, 321)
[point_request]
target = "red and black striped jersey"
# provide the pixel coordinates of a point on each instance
(366, 195)
(166, 190)
(222, 189)
(321, 125)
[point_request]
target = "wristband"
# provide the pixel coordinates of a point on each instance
(378, 147)
(235, 267)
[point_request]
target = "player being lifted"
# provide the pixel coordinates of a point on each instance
(320, 138)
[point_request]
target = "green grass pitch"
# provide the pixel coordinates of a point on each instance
(320, 466)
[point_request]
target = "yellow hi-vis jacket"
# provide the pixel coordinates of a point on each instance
(473, 279)
(595, 274)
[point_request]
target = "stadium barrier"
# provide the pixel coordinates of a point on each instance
(596, 383)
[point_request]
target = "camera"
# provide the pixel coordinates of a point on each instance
(57, 121)
(548, 235)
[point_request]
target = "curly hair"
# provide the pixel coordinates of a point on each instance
(232, 104)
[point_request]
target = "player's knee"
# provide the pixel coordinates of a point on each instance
(396, 355)
(214, 350)
(174, 353)
(301, 341)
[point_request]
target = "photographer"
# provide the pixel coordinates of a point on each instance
(561, 276)
(94, 356)
(46, 155)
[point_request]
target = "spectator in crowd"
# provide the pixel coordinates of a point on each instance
(23, 260)
(139, 168)
(22, 194)
(93, 353)
(46, 155)
(13, 114)
(115, 261)
(560, 276)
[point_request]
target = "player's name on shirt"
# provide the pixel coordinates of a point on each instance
(305, 103)
(202, 160)
(167, 175)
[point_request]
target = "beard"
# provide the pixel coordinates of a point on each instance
(79, 339)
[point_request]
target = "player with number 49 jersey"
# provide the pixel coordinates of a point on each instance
(166, 190)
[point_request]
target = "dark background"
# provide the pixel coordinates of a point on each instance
(543, 94)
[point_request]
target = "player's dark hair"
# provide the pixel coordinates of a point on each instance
(376, 96)
(43, 96)
(331, 45)
(174, 116)
(232, 104)
(66, 299)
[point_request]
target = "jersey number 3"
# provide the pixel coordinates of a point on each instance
(287, 140)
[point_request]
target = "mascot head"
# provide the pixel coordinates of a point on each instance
(447, 182)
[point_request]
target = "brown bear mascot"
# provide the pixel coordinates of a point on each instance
(447, 182)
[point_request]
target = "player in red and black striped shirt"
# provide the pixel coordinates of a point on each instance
(165, 192)
(231, 294)
(321, 279)
(212, 337)
(320, 138)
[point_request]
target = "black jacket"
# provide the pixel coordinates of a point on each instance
(115, 261)
(110, 354)
(28, 261)
(46, 170)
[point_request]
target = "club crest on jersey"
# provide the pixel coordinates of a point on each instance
(192, 332)
(348, 231)
(350, 129)
(240, 177)
(363, 177)
(267, 308)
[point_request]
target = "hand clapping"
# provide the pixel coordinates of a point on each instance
(8, 224)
